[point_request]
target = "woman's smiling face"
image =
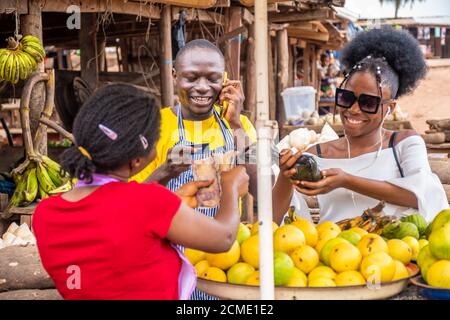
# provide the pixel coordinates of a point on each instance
(199, 78)
(357, 123)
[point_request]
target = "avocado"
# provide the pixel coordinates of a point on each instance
(307, 169)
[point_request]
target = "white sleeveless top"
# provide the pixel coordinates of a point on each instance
(418, 178)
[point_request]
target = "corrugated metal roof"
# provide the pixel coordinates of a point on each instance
(435, 21)
(418, 21)
(345, 13)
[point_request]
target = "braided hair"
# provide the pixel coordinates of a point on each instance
(118, 123)
(392, 56)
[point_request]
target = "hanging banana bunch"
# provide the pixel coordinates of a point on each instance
(20, 58)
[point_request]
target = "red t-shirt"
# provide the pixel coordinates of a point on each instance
(114, 239)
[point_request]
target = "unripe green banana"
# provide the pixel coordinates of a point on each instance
(36, 46)
(23, 67)
(37, 56)
(30, 60)
(31, 189)
(63, 188)
(9, 67)
(45, 182)
(4, 55)
(54, 171)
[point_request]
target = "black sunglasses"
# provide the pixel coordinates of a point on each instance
(367, 103)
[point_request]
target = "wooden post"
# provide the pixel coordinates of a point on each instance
(307, 65)
(101, 54)
(31, 23)
(88, 49)
(272, 84)
(166, 57)
(233, 47)
(124, 54)
(59, 59)
(250, 82)
(291, 66)
(316, 75)
(69, 59)
(282, 72)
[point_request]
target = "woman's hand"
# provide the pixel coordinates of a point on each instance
(188, 191)
(332, 179)
(287, 161)
(236, 178)
(232, 92)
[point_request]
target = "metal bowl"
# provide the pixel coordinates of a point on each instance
(429, 291)
(359, 292)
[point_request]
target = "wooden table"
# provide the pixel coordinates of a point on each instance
(23, 213)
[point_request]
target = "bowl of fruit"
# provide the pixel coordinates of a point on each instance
(310, 262)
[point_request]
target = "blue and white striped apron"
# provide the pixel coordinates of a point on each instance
(187, 176)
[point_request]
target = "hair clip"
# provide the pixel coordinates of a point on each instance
(85, 153)
(378, 70)
(143, 141)
(108, 132)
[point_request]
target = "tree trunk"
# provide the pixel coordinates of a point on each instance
(31, 23)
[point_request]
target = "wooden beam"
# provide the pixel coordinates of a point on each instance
(251, 3)
(234, 33)
(222, 3)
(247, 17)
(31, 23)
(304, 25)
(166, 57)
(88, 49)
(116, 6)
(308, 35)
(282, 72)
(10, 6)
(301, 44)
(199, 15)
(319, 14)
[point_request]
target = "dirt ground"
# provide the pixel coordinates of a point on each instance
(431, 99)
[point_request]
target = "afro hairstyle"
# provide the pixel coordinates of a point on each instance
(396, 54)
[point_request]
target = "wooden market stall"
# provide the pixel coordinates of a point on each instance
(134, 42)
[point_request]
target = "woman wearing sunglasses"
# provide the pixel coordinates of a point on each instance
(369, 163)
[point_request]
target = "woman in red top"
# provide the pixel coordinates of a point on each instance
(111, 239)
